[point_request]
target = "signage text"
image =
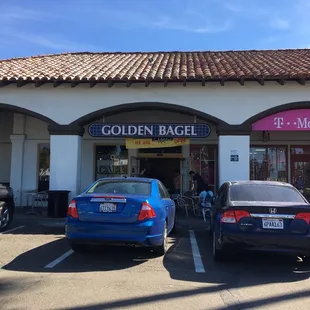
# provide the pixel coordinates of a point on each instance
(150, 130)
(293, 120)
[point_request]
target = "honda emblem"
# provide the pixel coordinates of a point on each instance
(272, 210)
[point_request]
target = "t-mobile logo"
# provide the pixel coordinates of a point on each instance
(278, 121)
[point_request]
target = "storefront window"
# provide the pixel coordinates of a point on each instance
(44, 167)
(268, 163)
(202, 161)
(300, 168)
(111, 161)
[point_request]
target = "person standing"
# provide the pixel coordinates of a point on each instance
(198, 183)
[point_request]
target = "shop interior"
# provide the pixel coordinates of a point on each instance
(162, 169)
(159, 163)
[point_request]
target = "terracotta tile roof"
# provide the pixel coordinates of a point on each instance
(160, 66)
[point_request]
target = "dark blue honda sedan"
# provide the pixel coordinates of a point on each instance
(260, 216)
(121, 210)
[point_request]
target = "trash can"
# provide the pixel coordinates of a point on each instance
(57, 205)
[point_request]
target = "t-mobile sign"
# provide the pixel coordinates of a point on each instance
(293, 120)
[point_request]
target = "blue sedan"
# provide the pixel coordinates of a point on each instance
(121, 210)
(260, 216)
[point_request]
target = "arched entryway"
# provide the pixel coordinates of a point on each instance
(24, 150)
(280, 145)
(146, 106)
(200, 154)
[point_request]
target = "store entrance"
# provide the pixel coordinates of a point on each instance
(300, 169)
(162, 169)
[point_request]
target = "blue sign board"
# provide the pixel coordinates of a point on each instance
(150, 130)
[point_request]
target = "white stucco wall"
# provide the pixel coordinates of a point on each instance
(230, 170)
(232, 103)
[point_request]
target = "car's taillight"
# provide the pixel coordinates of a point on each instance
(72, 210)
(303, 216)
(232, 217)
(146, 212)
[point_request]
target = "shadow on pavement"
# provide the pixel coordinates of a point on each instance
(125, 303)
(97, 259)
(250, 269)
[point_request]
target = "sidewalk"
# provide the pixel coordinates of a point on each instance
(40, 219)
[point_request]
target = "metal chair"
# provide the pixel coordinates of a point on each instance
(36, 199)
(183, 204)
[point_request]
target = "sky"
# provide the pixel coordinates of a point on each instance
(33, 27)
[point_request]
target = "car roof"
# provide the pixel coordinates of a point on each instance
(256, 182)
(134, 179)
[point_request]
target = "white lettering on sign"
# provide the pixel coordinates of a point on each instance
(149, 130)
(106, 132)
(156, 130)
(278, 121)
(140, 130)
(179, 131)
(170, 131)
(132, 130)
(116, 130)
(162, 130)
(303, 123)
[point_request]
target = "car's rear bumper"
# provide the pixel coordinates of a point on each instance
(267, 242)
(144, 234)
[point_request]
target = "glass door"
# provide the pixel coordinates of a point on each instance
(300, 169)
(203, 161)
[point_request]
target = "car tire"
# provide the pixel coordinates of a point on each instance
(79, 248)
(162, 249)
(218, 255)
(6, 216)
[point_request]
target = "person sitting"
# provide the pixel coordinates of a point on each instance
(206, 198)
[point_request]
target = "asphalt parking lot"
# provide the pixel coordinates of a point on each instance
(39, 271)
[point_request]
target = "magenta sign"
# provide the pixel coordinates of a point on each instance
(293, 120)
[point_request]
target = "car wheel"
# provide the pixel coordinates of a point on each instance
(162, 249)
(218, 255)
(79, 248)
(5, 216)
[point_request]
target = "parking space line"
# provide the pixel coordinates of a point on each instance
(59, 259)
(10, 230)
(196, 254)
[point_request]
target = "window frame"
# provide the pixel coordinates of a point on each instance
(162, 186)
(94, 186)
(39, 145)
(266, 146)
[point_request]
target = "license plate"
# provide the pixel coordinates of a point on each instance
(107, 207)
(273, 224)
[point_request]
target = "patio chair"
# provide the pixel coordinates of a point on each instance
(182, 203)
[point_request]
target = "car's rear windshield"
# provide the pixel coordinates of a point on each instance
(121, 187)
(259, 192)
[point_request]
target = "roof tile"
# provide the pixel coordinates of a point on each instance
(230, 65)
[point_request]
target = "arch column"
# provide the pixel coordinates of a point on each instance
(233, 155)
(65, 158)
